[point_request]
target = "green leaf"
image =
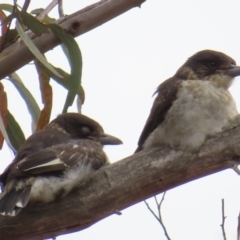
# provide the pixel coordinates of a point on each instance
(3, 113)
(37, 11)
(75, 59)
(6, 7)
(29, 43)
(32, 23)
(14, 132)
(5, 134)
(46, 19)
(8, 38)
(31, 103)
(64, 81)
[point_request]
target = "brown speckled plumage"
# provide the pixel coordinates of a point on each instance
(54, 161)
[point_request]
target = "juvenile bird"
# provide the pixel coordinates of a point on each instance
(54, 161)
(193, 104)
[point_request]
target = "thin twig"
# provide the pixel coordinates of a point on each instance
(223, 221)
(153, 213)
(159, 217)
(60, 8)
(159, 206)
(47, 10)
(156, 201)
(26, 5)
(238, 228)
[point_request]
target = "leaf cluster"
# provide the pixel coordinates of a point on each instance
(27, 25)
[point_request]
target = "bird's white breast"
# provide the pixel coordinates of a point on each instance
(47, 189)
(201, 109)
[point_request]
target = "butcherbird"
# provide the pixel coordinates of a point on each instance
(193, 104)
(54, 161)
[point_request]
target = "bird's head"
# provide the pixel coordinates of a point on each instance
(79, 126)
(212, 66)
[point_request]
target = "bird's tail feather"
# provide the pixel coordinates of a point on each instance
(12, 202)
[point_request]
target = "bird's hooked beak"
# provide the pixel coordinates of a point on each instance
(234, 71)
(106, 139)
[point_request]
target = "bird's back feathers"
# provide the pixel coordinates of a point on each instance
(54, 161)
(166, 94)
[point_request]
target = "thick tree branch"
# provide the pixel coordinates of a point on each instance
(123, 184)
(17, 55)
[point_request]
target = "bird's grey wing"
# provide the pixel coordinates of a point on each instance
(36, 143)
(78, 156)
(54, 159)
(166, 94)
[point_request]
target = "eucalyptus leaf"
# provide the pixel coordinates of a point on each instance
(29, 43)
(75, 60)
(31, 103)
(14, 132)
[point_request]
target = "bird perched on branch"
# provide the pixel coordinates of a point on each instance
(193, 104)
(54, 161)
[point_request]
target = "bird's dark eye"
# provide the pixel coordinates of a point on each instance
(212, 64)
(85, 130)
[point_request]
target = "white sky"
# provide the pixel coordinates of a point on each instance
(124, 61)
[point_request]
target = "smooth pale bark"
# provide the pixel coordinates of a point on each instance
(123, 184)
(17, 54)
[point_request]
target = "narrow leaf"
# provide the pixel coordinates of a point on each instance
(8, 38)
(3, 113)
(31, 103)
(75, 59)
(6, 7)
(80, 98)
(14, 132)
(46, 93)
(5, 135)
(26, 39)
(46, 19)
(8, 19)
(64, 81)
(32, 23)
